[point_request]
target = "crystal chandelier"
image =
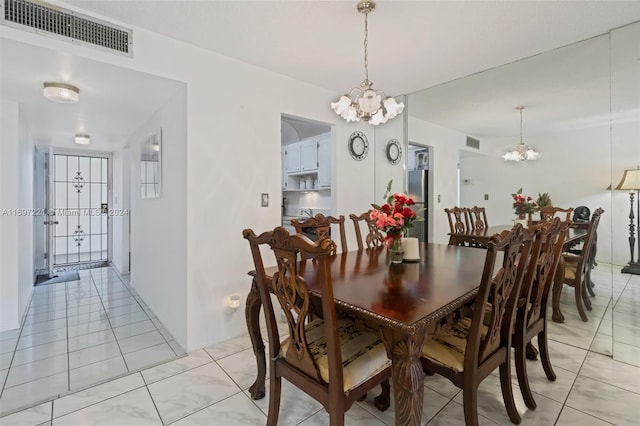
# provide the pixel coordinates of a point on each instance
(521, 152)
(364, 102)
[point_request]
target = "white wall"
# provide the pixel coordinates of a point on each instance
(16, 231)
(158, 225)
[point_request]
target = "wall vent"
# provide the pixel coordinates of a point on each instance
(66, 24)
(473, 142)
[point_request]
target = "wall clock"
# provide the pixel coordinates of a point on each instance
(394, 151)
(358, 146)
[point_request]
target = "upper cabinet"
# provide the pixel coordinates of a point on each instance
(324, 163)
(309, 160)
(291, 158)
(309, 155)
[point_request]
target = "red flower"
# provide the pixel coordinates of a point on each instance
(386, 208)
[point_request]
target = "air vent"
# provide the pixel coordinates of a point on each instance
(473, 142)
(67, 25)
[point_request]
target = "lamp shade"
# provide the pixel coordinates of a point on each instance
(630, 180)
(61, 92)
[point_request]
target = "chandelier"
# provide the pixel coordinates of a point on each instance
(521, 152)
(364, 102)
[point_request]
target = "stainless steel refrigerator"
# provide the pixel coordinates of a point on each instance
(418, 190)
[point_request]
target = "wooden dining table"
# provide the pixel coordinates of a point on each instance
(399, 302)
(480, 238)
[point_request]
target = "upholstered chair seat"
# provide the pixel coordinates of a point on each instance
(363, 354)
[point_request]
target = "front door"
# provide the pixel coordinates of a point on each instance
(79, 194)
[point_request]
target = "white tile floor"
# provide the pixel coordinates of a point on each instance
(77, 334)
(209, 387)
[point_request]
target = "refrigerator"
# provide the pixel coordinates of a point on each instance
(418, 188)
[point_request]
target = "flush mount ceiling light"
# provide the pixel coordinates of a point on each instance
(521, 152)
(364, 102)
(61, 92)
(82, 139)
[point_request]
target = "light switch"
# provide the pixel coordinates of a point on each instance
(265, 199)
(486, 197)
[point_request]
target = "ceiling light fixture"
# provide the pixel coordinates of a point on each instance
(521, 152)
(82, 139)
(364, 102)
(61, 92)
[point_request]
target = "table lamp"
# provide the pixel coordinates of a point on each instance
(631, 182)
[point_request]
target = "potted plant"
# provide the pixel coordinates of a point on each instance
(522, 204)
(543, 199)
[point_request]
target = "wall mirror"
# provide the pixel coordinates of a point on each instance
(567, 118)
(151, 166)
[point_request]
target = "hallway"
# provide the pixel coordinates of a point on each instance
(77, 334)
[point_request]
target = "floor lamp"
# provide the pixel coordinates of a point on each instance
(631, 182)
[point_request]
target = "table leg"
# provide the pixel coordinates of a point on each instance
(252, 314)
(408, 379)
(557, 291)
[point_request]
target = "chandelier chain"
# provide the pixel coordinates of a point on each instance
(366, 47)
(521, 125)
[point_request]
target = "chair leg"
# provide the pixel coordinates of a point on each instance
(507, 391)
(523, 378)
(470, 405)
(336, 416)
(383, 401)
(544, 355)
(275, 386)
(586, 300)
(590, 288)
(579, 303)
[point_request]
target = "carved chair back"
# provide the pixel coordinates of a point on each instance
(547, 213)
(458, 220)
(478, 218)
(584, 261)
(322, 225)
(373, 238)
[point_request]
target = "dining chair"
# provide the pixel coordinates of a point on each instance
(334, 360)
(458, 220)
(547, 213)
(321, 224)
(531, 317)
(373, 238)
(467, 350)
(577, 267)
(478, 218)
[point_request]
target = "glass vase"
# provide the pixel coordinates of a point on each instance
(396, 252)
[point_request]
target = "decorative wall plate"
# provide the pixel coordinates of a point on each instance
(394, 151)
(358, 146)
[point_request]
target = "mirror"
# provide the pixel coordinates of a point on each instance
(150, 166)
(467, 124)
(625, 151)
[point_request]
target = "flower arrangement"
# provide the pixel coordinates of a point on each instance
(395, 216)
(523, 205)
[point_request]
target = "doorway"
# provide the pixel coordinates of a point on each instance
(77, 226)
(419, 187)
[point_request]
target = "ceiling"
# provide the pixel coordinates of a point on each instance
(412, 45)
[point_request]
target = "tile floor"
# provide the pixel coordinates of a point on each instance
(209, 387)
(77, 334)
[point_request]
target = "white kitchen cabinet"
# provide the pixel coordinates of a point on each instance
(324, 163)
(309, 155)
(292, 158)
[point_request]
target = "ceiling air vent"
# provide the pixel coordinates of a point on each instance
(473, 142)
(41, 17)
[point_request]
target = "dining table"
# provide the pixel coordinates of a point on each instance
(400, 302)
(479, 238)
